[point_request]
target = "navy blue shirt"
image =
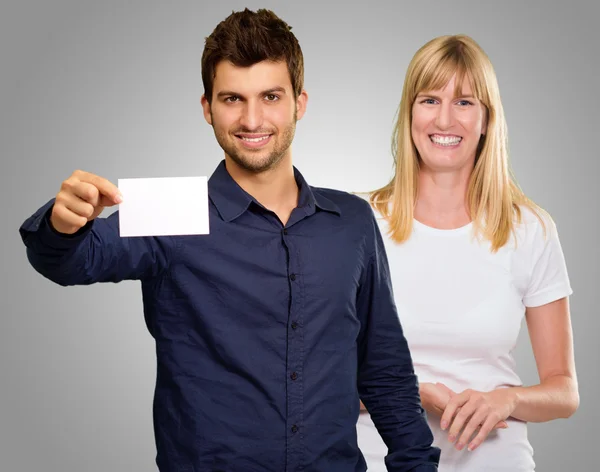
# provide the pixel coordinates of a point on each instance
(266, 336)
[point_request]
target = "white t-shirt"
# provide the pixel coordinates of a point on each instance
(461, 307)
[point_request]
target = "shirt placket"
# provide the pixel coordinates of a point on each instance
(295, 358)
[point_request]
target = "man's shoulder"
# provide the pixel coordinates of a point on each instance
(355, 203)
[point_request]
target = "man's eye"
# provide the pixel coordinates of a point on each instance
(232, 99)
(271, 97)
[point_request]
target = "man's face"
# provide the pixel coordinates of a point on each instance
(254, 113)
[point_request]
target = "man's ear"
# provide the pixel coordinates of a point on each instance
(206, 109)
(301, 103)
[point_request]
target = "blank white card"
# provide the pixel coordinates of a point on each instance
(164, 206)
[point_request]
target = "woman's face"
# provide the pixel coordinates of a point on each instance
(446, 129)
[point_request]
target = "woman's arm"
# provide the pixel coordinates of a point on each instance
(556, 396)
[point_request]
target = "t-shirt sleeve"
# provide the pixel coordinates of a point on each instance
(549, 279)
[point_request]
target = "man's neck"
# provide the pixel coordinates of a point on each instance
(275, 189)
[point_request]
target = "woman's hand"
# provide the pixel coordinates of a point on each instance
(435, 397)
(472, 410)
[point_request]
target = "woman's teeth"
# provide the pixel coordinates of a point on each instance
(445, 140)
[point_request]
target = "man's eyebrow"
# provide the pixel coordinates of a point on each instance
(226, 93)
(273, 90)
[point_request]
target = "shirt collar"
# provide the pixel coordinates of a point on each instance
(231, 200)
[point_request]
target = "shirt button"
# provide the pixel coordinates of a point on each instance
(294, 325)
(285, 231)
(294, 429)
(294, 376)
(292, 276)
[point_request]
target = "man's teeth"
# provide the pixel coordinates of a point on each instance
(255, 140)
(446, 140)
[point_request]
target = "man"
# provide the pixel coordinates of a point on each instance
(268, 329)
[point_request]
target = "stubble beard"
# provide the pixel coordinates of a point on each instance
(244, 158)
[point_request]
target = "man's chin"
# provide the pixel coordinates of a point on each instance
(254, 162)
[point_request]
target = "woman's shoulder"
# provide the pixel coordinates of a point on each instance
(535, 232)
(533, 222)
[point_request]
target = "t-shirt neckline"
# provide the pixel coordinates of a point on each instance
(442, 232)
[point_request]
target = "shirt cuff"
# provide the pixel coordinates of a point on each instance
(37, 230)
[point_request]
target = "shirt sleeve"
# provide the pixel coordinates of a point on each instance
(96, 253)
(387, 384)
(549, 279)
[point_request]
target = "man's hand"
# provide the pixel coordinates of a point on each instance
(81, 198)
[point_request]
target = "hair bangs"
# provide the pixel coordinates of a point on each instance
(452, 59)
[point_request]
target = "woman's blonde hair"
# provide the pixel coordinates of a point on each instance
(493, 197)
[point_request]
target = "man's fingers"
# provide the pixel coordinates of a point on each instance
(65, 221)
(87, 192)
(104, 186)
(82, 198)
(79, 207)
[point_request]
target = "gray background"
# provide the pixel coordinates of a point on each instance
(114, 87)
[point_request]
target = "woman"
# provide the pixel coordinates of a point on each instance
(470, 255)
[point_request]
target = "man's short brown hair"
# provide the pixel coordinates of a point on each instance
(245, 38)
